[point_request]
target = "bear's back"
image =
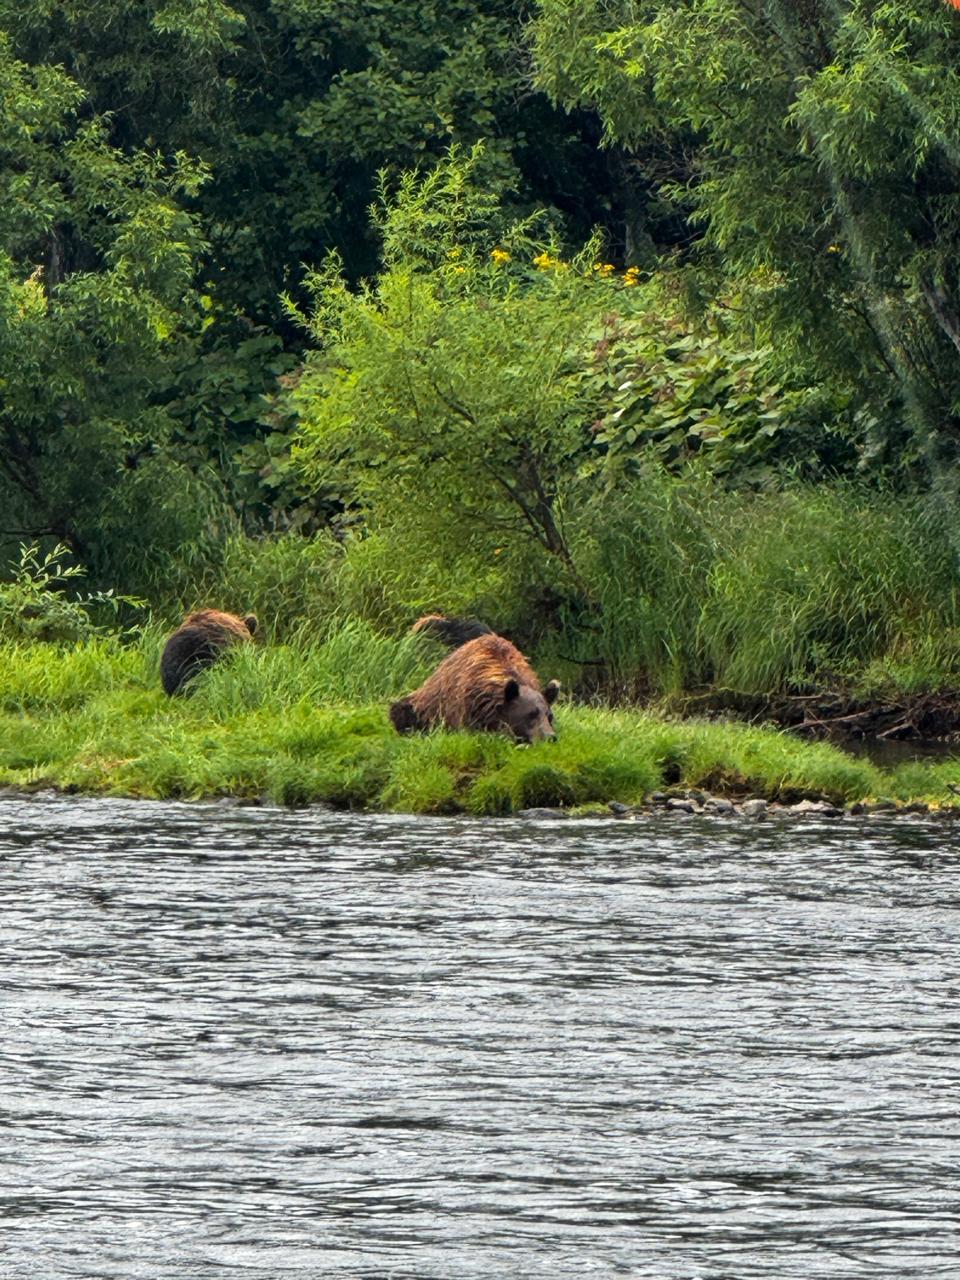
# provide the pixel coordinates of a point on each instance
(198, 642)
(466, 690)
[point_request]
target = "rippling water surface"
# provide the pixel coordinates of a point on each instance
(254, 1043)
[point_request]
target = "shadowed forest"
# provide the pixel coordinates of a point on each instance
(630, 328)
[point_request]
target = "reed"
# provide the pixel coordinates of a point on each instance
(833, 587)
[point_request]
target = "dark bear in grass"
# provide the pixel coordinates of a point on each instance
(452, 632)
(198, 642)
(486, 683)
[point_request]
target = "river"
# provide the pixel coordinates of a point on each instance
(253, 1043)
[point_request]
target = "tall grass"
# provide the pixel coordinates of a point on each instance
(289, 582)
(50, 677)
(353, 664)
(682, 585)
(647, 555)
(813, 586)
(769, 592)
(302, 589)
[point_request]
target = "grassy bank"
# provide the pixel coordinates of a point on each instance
(307, 723)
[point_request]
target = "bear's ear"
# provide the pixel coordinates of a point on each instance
(511, 690)
(250, 622)
(551, 691)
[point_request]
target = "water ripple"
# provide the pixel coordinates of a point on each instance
(261, 1043)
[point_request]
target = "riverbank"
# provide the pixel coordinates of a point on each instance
(308, 725)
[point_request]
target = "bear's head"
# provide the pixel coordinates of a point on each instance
(526, 712)
(249, 620)
(404, 717)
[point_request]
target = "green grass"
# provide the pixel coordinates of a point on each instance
(833, 587)
(304, 723)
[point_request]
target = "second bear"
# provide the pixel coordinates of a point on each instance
(486, 683)
(198, 642)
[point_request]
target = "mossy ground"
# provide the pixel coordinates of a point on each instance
(303, 724)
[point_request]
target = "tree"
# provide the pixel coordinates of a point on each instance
(295, 105)
(96, 314)
(449, 393)
(292, 107)
(821, 174)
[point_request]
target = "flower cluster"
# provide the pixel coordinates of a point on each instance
(631, 276)
(543, 262)
(604, 269)
(499, 256)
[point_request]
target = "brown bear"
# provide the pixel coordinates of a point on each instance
(452, 632)
(199, 641)
(486, 683)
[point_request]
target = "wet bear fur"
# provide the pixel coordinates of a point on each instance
(486, 684)
(198, 642)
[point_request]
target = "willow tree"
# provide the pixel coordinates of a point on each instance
(814, 148)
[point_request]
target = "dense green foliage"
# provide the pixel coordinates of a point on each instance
(161, 316)
(453, 372)
(593, 465)
(768, 592)
(96, 255)
(296, 104)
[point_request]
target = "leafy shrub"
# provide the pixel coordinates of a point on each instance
(34, 604)
(500, 419)
(681, 391)
(450, 390)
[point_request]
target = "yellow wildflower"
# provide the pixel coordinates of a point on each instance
(543, 262)
(499, 255)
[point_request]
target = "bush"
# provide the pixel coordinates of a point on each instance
(35, 604)
(449, 396)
